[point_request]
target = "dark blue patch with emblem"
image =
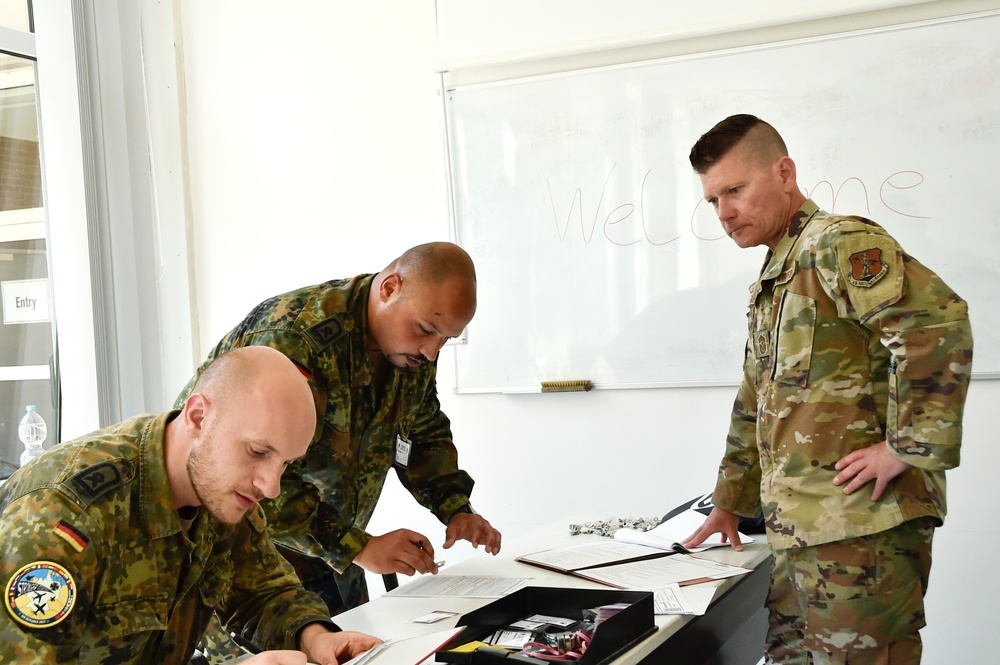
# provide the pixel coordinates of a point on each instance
(94, 481)
(325, 332)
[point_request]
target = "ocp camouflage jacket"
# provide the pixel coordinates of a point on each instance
(851, 342)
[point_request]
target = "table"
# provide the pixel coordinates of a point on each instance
(730, 633)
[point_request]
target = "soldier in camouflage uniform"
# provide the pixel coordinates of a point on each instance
(856, 371)
(116, 548)
(368, 345)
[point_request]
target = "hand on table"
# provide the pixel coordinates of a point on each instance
(718, 521)
(325, 647)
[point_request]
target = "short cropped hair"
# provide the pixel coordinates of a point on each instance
(727, 134)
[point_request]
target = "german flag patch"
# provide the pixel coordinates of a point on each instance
(76, 538)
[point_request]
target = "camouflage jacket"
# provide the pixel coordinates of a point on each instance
(328, 497)
(99, 569)
(851, 342)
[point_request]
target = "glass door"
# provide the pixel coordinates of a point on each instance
(27, 362)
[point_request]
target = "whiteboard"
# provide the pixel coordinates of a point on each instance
(597, 257)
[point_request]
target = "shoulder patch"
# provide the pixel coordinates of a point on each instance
(40, 594)
(94, 481)
(325, 332)
(867, 267)
(871, 268)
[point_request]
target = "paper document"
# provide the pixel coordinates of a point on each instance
(671, 600)
(463, 586)
(657, 573)
(670, 534)
(589, 555)
(397, 652)
(366, 656)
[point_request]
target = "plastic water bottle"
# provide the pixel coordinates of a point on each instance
(32, 432)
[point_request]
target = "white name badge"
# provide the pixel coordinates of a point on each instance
(403, 451)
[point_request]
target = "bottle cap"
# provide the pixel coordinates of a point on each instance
(30, 407)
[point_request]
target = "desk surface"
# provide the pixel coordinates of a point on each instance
(390, 617)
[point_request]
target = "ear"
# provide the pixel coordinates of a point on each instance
(390, 287)
(786, 172)
(195, 409)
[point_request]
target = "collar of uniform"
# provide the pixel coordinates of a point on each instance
(776, 258)
(362, 369)
(156, 500)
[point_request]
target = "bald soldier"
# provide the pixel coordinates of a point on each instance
(368, 345)
(850, 411)
(116, 548)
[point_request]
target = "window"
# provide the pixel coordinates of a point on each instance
(27, 361)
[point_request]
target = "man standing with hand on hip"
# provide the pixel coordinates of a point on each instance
(855, 376)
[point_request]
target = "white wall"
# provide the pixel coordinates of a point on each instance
(314, 145)
(480, 30)
(315, 152)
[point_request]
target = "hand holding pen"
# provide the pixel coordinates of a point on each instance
(400, 551)
(439, 564)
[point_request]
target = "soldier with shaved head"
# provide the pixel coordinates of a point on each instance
(369, 345)
(855, 374)
(118, 546)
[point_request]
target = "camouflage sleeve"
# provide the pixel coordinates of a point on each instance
(432, 475)
(266, 603)
(738, 486)
(925, 327)
(49, 566)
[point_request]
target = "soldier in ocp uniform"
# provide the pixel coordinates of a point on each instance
(856, 371)
(368, 345)
(116, 548)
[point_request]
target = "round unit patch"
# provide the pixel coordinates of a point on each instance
(40, 594)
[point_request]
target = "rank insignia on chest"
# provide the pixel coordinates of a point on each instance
(762, 343)
(40, 594)
(867, 267)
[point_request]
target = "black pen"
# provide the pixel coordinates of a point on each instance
(245, 644)
(420, 546)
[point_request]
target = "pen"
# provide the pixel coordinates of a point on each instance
(245, 644)
(420, 545)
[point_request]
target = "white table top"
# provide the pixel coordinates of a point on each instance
(390, 617)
